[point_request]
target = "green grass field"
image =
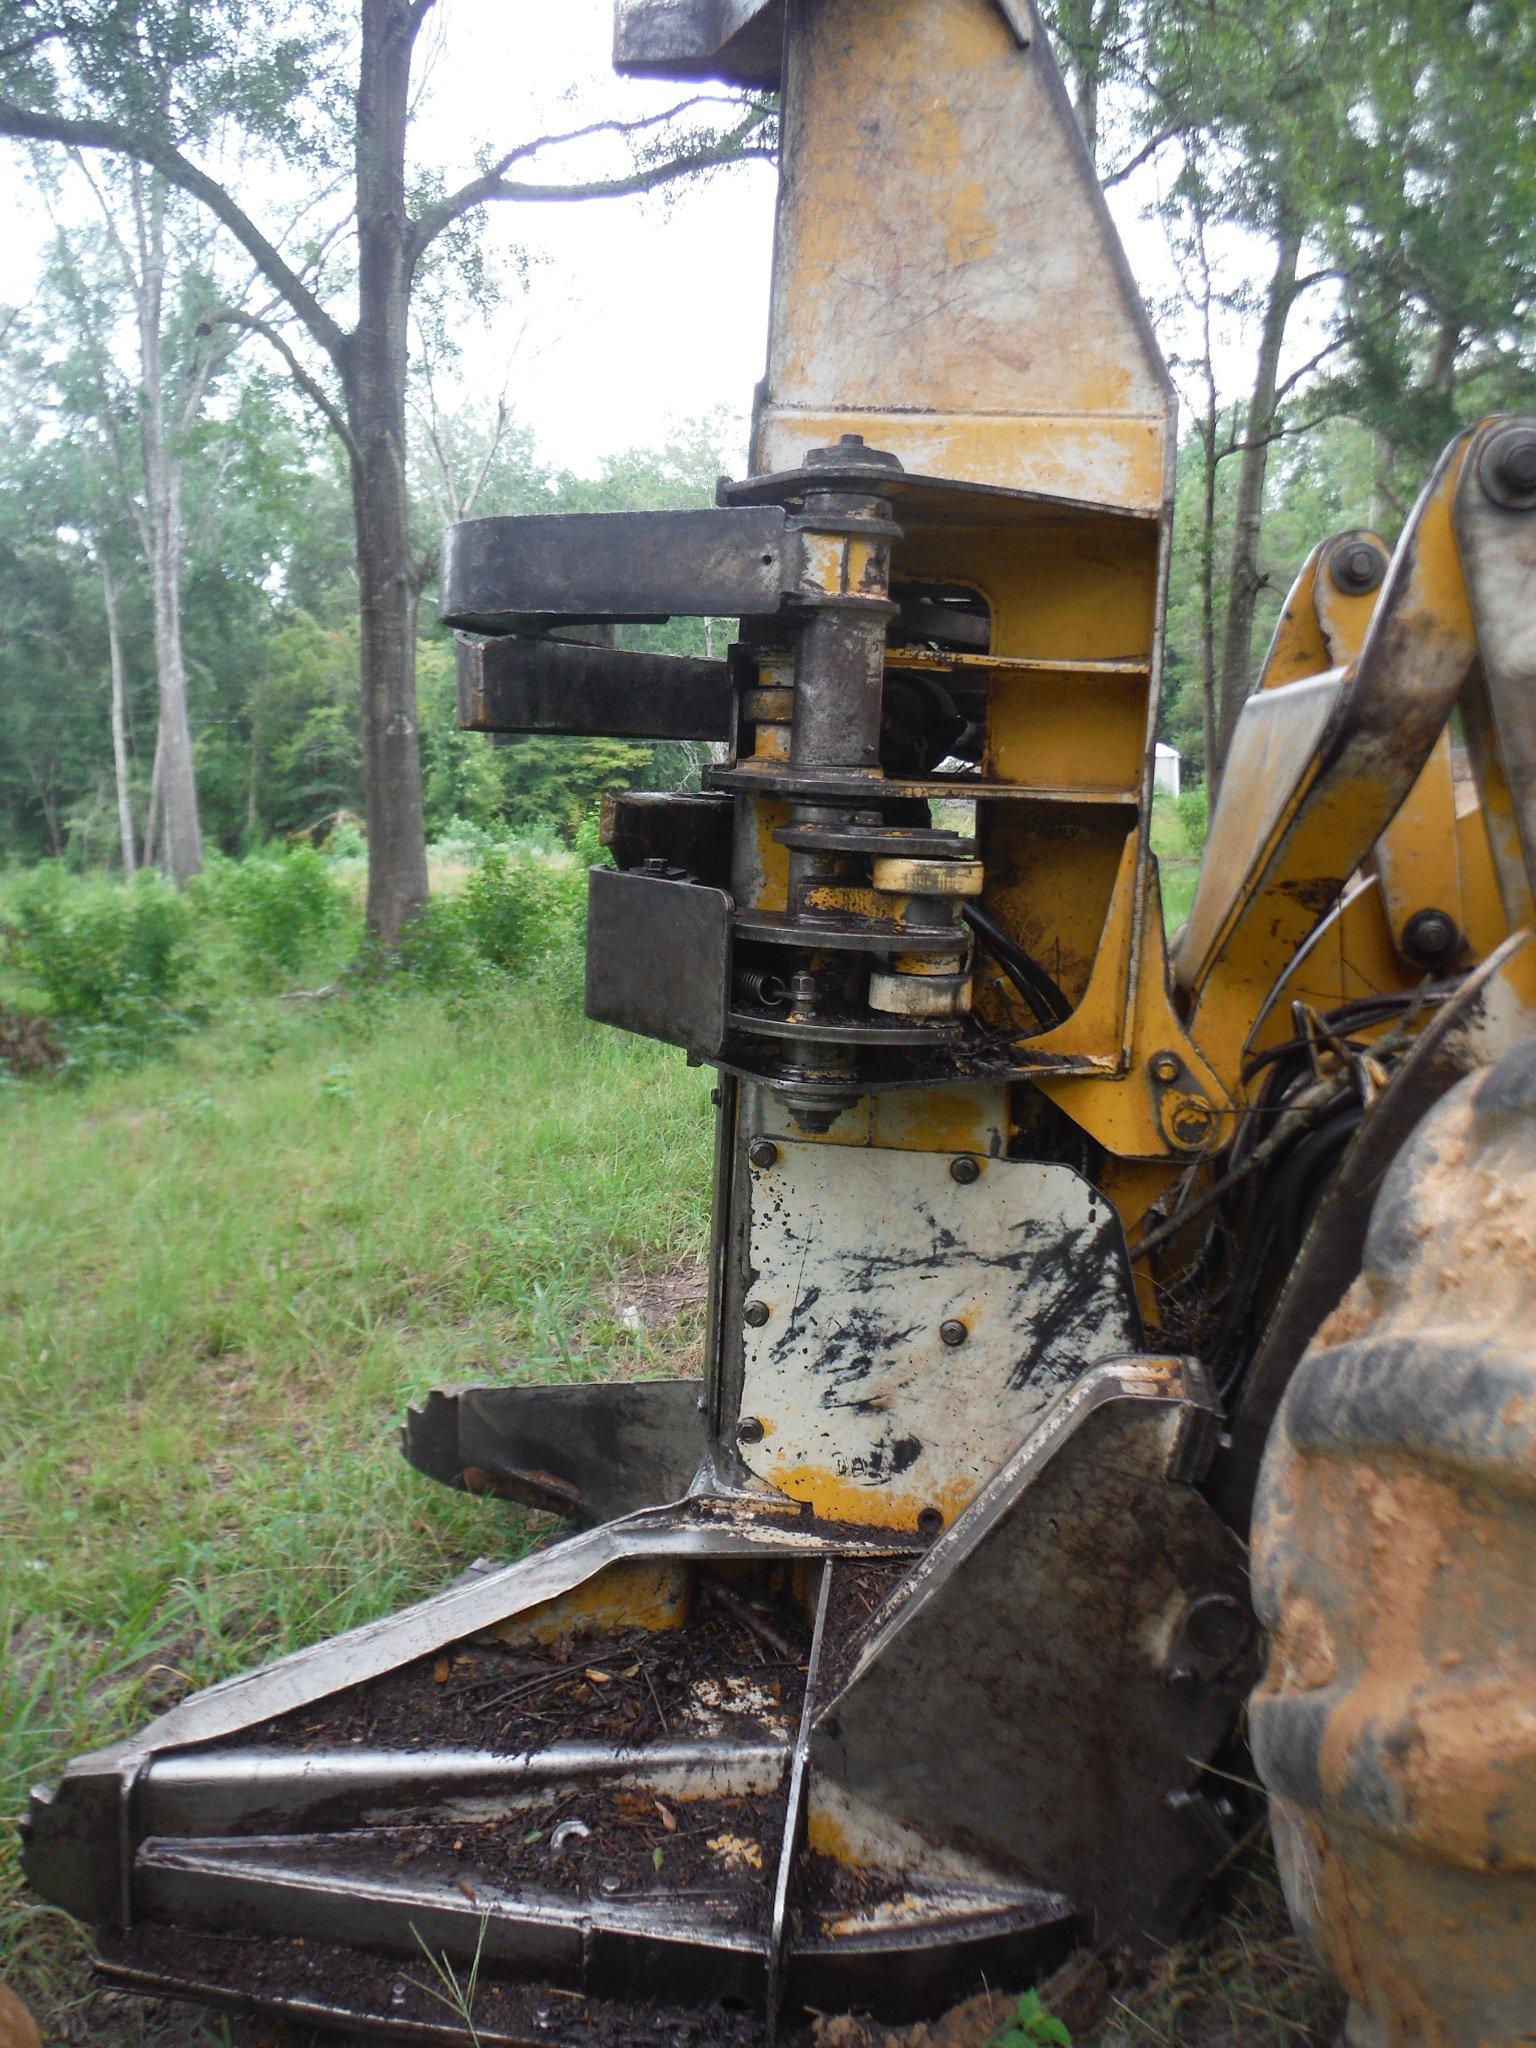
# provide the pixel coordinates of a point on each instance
(224, 1276)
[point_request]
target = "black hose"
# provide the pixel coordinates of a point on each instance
(1044, 995)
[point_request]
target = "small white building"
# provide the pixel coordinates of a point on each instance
(1165, 768)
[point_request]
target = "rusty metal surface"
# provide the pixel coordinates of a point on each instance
(505, 573)
(512, 684)
(958, 298)
(587, 1451)
(1395, 1553)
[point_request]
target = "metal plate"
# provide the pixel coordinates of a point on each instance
(590, 567)
(859, 1257)
(737, 40)
(558, 686)
(659, 958)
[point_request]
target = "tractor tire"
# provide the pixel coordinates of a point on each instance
(1395, 1570)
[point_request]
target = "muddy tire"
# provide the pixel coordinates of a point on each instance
(1395, 1569)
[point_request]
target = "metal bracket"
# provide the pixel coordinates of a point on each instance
(511, 574)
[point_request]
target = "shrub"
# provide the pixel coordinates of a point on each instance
(515, 913)
(88, 947)
(1193, 807)
(277, 908)
(112, 962)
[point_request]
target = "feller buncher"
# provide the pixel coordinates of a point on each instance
(903, 1649)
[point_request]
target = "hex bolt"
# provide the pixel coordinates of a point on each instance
(763, 1152)
(1166, 1067)
(930, 1521)
(964, 1170)
(953, 1332)
(1430, 937)
(1358, 568)
(749, 1430)
(756, 1313)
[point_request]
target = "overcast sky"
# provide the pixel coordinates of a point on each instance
(638, 313)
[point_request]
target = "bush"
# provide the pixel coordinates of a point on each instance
(111, 961)
(278, 909)
(87, 946)
(514, 914)
(1193, 807)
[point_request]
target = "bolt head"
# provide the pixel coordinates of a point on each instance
(1507, 469)
(756, 1313)
(1430, 937)
(750, 1430)
(953, 1332)
(930, 1521)
(1165, 1067)
(763, 1153)
(965, 1170)
(1358, 568)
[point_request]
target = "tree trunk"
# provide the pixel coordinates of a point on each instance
(1245, 581)
(375, 372)
(182, 826)
(119, 723)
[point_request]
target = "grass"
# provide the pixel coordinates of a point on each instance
(1178, 858)
(223, 1277)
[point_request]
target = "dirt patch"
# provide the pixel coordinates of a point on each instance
(650, 1301)
(254, 1969)
(628, 1688)
(860, 1587)
(606, 1843)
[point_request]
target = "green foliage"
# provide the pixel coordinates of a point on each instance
(278, 909)
(518, 913)
(1028, 2024)
(110, 963)
(1194, 810)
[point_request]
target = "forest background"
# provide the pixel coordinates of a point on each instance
(1333, 203)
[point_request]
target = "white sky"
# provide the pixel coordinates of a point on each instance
(639, 313)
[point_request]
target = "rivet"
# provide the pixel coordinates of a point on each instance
(964, 1170)
(756, 1313)
(953, 1332)
(763, 1152)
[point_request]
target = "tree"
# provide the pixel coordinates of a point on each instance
(75, 79)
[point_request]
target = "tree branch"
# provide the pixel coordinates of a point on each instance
(493, 183)
(314, 391)
(27, 124)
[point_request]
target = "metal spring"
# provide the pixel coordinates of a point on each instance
(757, 985)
